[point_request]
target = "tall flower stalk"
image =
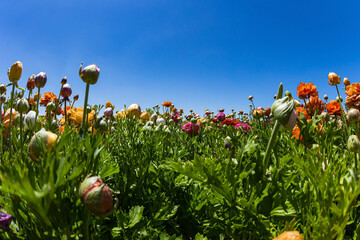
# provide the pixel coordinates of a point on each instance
(89, 75)
(40, 81)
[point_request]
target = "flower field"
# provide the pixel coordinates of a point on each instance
(74, 171)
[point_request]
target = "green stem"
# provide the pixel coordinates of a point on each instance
(21, 133)
(37, 108)
(356, 171)
(11, 105)
(342, 113)
(270, 145)
(65, 111)
(86, 224)
(85, 107)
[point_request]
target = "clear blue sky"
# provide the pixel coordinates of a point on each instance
(197, 54)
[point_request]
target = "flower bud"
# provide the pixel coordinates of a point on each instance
(2, 89)
(160, 121)
(96, 196)
(153, 117)
(339, 99)
(22, 105)
(144, 116)
(193, 120)
(76, 97)
(29, 120)
(324, 116)
(5, 221)
(353, 115)
(134, 110)
(64, 80)
(89, 74)
(334, 79)
(108, 112)
(30, 85)
(40, 80)
(37, 96)
(284, 111)
(66, 91)
(290, 235)
(326, 97)
(101, 125)
(50, 106)
(353, 143)
(15, 72)
(41, 138)
(250, 98)
(346, 82)
(258, 113)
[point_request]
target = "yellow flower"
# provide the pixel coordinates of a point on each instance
(76, 115)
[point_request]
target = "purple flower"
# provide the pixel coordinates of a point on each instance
(108, 112)
(245, 126)
(5, 221)
(220, 116)
(40, 80)
(66, 91)
(190, 128)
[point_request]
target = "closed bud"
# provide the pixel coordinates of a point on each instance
(134, 110)
(108, 112)
(89, 74)
(66, 91)
(339, 99)
(326, 97)
(40, 139)
(160, 121)
(64, 80)
(37, 96)
(50, 106)
(101, 125)
(284, 111)
(2, 88)
(30, 85)
(96, 196)
(250, 97)
(346, 82)
(22, 105)
(353, 143)
(353, 115)
(29, 120)
(40, 80)
(15, 72)
(76, 97)
(334, 79)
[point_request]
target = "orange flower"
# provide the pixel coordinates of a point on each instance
(305, 90)
(333, 108)
(296, 133)
(167, 104)
(67, 110)
(334, 79)
(290, 235)
(353, 96)
(315, 103)
(302, 110)
(47, 98)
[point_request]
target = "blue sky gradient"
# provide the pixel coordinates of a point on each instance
(197, 54)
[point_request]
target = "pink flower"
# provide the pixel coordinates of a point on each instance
(175, 117)
(220, 116)
(245, 126)
(190, 128)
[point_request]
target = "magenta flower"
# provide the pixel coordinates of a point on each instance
(220, 116)
(190, 128)
(245, 126)
(175, 117)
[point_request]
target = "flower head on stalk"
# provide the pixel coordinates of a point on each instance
(306, 90)
(284, 111)
(89, 74)
(333, 108)
(334, 79)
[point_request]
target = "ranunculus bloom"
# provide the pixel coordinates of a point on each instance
(67, 110)
(47, 98)
(333, 108)
(353, 96)
(167, 104)
(291, 235)
(333, 79)
(175, 117)
(76, 115)
(220, 116)
(296, 133)
(230, 121)
(315, 104)
(302, 110)
(267, 111)
(190, 128)
(305, 90)
(245, 126)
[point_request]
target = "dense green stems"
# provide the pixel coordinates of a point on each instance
(65, 110)
(86, 224)
(270, 145)
(342, 113)
(58, 101)
(37, 108)
(11, 104)
(356, 168)
(85, 107)
(29, 97)
(21, 132)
